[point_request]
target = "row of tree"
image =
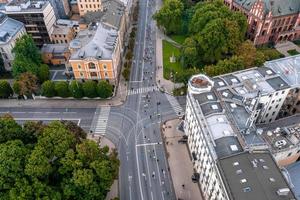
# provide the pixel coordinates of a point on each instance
(53, 161)
(77, 89)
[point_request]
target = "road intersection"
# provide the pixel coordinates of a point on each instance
(133, 127)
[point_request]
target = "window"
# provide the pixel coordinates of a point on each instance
(104, 67)
(267, 114)
(282, 92)
(273, 101)
(92, 65)
(273, 113)
(93, 74)
(106, 74)
(289, 154)
(79, 66)
(270, 108)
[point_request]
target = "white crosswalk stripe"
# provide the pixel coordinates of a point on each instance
(142, 90)
(175, 105)
(102, 120)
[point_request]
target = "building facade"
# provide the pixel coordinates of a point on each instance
(241, 112)
(38, 18)
(96, 54)
(61, 8)
(62, 34)
(269, 21)
(85, 6)
(10, 31)
(55, 54)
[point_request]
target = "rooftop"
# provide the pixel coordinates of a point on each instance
(67, 22)
(294, 175)
(252, 176)
(111, 14)
(55, 48)
(276, 7)
(25, 6)
(97, 41)
(8, 28)
(61, 29)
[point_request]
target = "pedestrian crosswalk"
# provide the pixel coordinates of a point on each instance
(101, 123)
(175, 105)
(142, 90)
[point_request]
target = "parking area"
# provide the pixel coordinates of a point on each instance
(180, 163)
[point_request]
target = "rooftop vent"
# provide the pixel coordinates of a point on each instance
(220, 119)
(214, 107)
(235, 163)
(225, 94)
(233, 105)
(254, 164)
(221, 83)
(234, 80)
(269, 72)
(239, 171)
(261, 160)
(210, 97)
(234, 148)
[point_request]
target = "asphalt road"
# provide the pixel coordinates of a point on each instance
(133, 127)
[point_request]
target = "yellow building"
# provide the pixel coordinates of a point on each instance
(85, 6)
(96, 53)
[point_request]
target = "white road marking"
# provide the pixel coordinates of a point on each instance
(142, 90)
(102, 120)
(18, 112)
(50, 112)
(175, 105)
(148, 144)
(5, 112)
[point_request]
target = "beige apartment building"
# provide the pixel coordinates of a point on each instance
(85, 6)
(62, 34)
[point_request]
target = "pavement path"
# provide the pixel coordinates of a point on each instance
(286, 46)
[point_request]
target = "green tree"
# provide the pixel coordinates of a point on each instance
(10, 130)
(12, 162)
(75, 89)
(27, 56)
(78, 132)
(90, 89)
(26, 84)
(170, 16)
(48, 89)
(5, 89)
(2, 67)
(189, 52)
(62, 89)
(104, 89)
(43, 73)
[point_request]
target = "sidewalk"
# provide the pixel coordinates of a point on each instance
(181, 166)
(286, 46)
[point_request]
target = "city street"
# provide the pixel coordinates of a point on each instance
(134, 127)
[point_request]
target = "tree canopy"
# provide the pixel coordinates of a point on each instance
(170, 16)
(59, 163)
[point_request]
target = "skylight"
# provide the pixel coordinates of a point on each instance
(214, 107)
(233, 105)
(269, 72)
(221, 83)
(210, 97)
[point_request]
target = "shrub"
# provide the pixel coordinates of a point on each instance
(62, 89)
(126, 73)
(75, 89)
(48, 89)
(5, 89)
(104, 89)
(43, 73)
(90, 89)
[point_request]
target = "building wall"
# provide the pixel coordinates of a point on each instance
(6, 49)
(272, 105)
(211, 184)
(104, 69)
(287, 156)
(266, 28)
(63, 38)
(50, 58)
(85, 6)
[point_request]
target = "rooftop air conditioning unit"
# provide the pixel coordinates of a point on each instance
(283, 191)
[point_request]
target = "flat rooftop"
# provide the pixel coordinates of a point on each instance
(253, 176)
(61, 29)
(55, 48)
(294, 175)
(8, 28)
(25, 6)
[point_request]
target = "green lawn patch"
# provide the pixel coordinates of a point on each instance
(293, 52)
(270, 53)
(178, 38)
(168, 51)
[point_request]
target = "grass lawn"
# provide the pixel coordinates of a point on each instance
(270, 53)
(168, 51)
(293, 52)
(178, 38)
